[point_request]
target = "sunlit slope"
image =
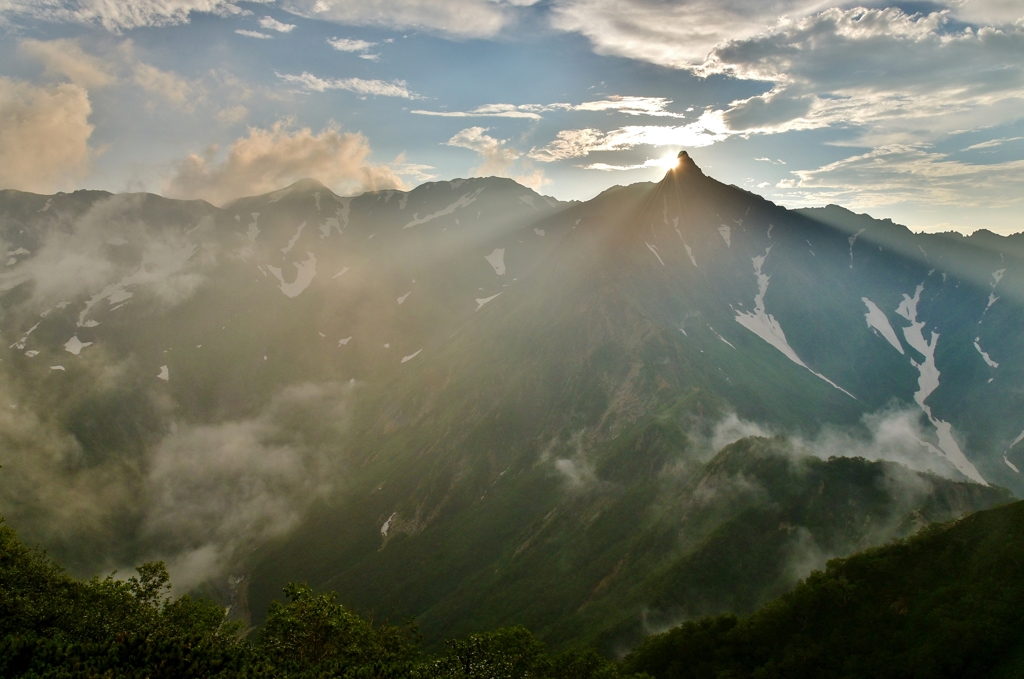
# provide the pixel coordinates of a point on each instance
(474, 405)
(574, 405)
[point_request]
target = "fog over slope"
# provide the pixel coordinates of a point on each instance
(476, 405)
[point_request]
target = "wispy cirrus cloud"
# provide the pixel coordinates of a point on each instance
(909, 174)
(454, 18)
(629, 105)
(123, 14)
(375, 88)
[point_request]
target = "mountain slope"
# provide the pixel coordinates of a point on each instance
(941, 604)
(474, 405)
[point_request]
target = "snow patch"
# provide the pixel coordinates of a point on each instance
(725, 232)
(984, 355)
(342, 213)
(57, 367)
(253, 230)
(539, 232)
(853, 239)
(340, 273)
(928, 382)
(480, 302)
(295, 239)
(165, 373)
(655, 251)
(404, 297)
(32, 353)
(75, 345)
(764, 325)
(411, 356)
(877, 319)
(304, 276)
(719, 337)
(497, 260)
(387, 525)
(461, 202)
(343, 342)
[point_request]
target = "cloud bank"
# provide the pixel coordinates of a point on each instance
(268, 159)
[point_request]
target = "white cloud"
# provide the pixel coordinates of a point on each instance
(899, 174)
(272, 24)
(377, 88)
(44, 135)
(231, 115)
(914, 80)
(64, 58)
(456, 18)
(708, 129)
(346, 45)
(499, 159)
(253, 34)
(678, 35)
(122, 14)
(992, 143)
(268, 159)
(650, 106)
(167, 85)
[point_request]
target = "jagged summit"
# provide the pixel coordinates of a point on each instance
(686, 166)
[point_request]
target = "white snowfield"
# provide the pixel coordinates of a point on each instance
(767, 328)
(295, 239)
(75, 345)
(481, 301)
(655, 251)
(148, 272)
(497, 260)
(877, 319)
(928, 382)
(461, 202)
(306, 272)
(726, 232)
(988, 359)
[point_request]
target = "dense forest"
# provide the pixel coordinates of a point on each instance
(944, 603)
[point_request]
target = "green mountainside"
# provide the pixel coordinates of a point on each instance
(475, 406)
(944, 603)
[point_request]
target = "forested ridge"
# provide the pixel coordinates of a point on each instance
(943, 603)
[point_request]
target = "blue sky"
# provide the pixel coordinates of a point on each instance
(912, 111)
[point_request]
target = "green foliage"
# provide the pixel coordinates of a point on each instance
(945, 603)
(54, 626)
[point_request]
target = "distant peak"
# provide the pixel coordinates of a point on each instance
(308, 184)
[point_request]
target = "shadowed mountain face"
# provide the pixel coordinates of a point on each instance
(476, 406)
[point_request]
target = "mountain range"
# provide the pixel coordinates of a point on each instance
(474, 405)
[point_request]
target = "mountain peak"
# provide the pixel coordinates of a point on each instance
(307, 184)
(686, 165)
